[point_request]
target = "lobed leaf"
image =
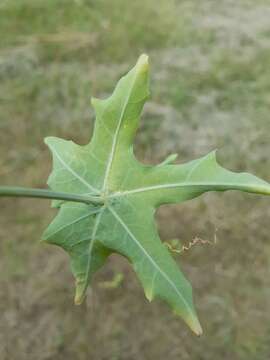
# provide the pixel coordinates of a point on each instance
(131, 192)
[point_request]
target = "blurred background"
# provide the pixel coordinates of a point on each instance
(210, 86)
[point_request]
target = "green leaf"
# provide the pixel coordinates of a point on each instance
(130, 192)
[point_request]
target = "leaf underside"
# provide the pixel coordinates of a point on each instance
(132, 192)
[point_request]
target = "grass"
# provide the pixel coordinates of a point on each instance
(210, 89)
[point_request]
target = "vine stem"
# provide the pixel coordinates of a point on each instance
(10, 191)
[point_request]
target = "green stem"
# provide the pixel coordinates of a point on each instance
(10, 191)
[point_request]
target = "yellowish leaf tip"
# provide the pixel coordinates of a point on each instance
(149, 294)
(78, 300)
(80, 292)
(94, 101)
(191, 320)
(142, 63)
(195, 325)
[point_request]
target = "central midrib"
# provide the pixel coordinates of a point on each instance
(115, 138)
(232, 186)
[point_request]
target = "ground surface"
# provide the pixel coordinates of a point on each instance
(210, 89)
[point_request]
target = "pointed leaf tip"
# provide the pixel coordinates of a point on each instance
(143, 63)
(195, 326)
(192, 321)
(79, 296)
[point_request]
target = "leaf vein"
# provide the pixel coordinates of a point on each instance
(165, 276)
(82, 180)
